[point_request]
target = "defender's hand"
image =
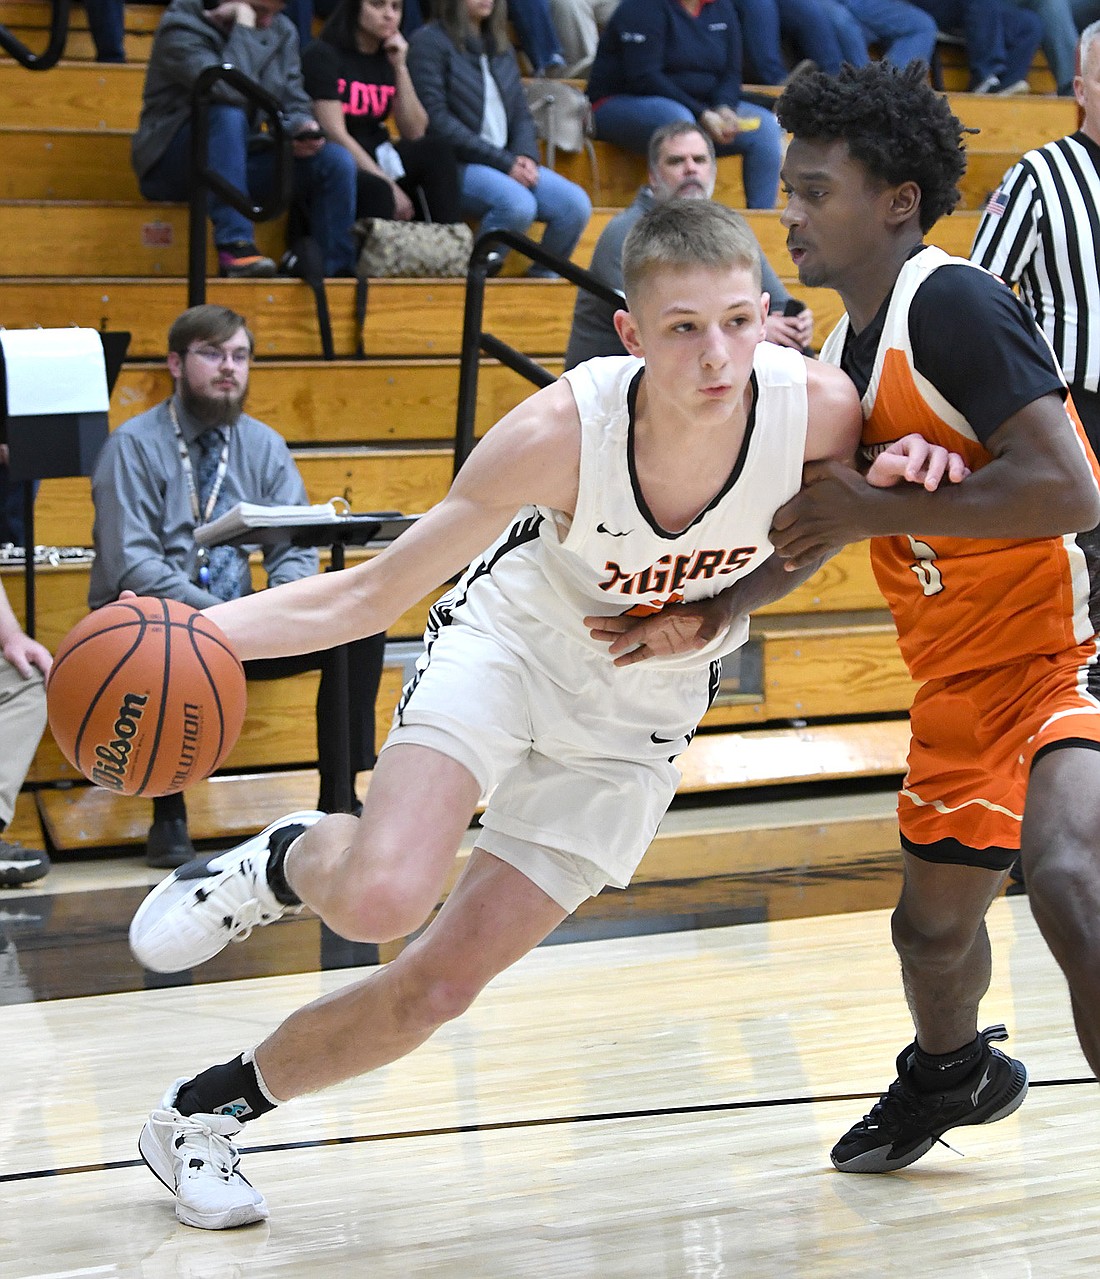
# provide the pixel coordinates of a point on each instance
(677, 628)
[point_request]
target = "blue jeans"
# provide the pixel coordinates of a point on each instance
(628, 122)
(325, 183)
(826, 31)
(760, 40)
(819, 29)
(535, 33)
(904, 31)
(105, 22)
(503, 204)
(1000, 39)
(1059, 38)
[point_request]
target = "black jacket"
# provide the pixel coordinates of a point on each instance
(449, 84)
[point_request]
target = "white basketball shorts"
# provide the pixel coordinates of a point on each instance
(573, 754)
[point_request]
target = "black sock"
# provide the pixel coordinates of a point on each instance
(276, 865)
(230, 1089)
(937, 1072)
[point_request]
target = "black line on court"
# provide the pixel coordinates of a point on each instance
(507, 1125)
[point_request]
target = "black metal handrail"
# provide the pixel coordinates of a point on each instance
(51, 55)
(475, 341)
(204, 179)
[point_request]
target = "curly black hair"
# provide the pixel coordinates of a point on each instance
(895, 124)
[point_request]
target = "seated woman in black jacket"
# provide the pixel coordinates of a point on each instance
(467, 76)
(355, 73)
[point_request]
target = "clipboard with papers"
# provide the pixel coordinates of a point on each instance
(323, 524)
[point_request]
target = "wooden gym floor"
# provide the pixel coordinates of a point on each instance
(657, 1104)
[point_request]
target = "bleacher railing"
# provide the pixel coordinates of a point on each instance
(475, 341)
(205, 180)
(51, 55)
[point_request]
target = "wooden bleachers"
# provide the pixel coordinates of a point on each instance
(29, 21)
(78, 245)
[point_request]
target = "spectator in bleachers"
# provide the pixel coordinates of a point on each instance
(1059, 38)
(682, 165)
(467, 76)
(255, 37)
(179, 465)
(23, 662)
(537, 36)
(578, 24)
(357, 78)
(824, 31)
(659, 61)
(902, 32)
(1001, 40)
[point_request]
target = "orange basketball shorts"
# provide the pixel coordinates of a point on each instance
(974, 738)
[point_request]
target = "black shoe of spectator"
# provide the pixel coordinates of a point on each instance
(168, 844)
(19, 865)
(242, 260)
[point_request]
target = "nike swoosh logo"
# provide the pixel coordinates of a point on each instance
(664, 741)
(602, 528)
(981, 1087)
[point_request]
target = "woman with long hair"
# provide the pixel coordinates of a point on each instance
(467, 76)
(356, 75)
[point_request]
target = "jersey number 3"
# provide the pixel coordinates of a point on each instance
(925, 567)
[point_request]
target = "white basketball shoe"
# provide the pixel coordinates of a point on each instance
(194, 1156)
(204, 905)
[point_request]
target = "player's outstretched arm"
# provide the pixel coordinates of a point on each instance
(1039, 483)
(532, 456)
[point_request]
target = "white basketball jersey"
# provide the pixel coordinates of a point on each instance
(550, 570)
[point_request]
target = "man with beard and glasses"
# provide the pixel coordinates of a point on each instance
(681, 166)
(181, 464)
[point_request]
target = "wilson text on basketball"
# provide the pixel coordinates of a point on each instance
(113, 757)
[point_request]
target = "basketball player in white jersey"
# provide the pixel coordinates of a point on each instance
(640, 486)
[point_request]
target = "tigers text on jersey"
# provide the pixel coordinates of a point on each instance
(960, 604)
(612, 556)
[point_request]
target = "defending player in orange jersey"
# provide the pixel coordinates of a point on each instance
(990, 588)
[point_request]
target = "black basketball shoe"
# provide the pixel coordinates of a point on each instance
(905, 1124)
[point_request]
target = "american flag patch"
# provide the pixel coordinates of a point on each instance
(997, 204)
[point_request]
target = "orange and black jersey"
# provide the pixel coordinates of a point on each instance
(952, 354)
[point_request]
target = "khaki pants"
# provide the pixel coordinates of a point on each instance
(22, 721)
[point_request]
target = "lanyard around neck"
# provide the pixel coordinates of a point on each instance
(199, 515)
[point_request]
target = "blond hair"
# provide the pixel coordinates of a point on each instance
(688, 233)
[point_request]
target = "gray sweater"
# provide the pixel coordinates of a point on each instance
(144, 529)
(184, 46)
(449, 84)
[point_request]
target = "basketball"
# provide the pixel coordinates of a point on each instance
(145, 697)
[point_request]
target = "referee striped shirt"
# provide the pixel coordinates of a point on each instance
(1041, 230)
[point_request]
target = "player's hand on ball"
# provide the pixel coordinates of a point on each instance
(677, 628)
